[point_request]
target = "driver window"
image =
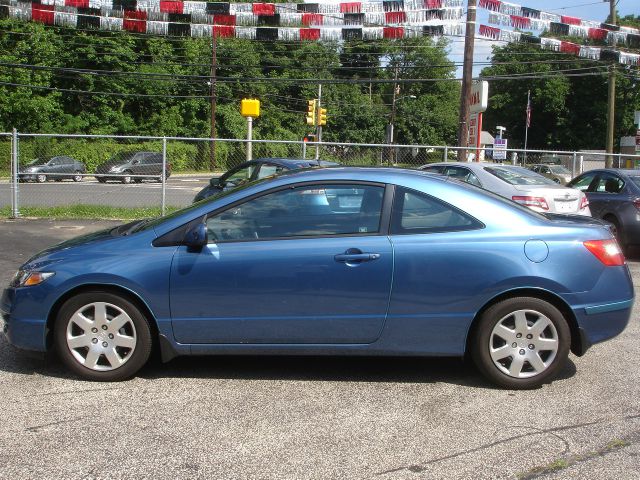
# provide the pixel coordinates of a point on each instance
(316, 210)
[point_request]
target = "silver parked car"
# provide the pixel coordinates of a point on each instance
(517, 183)
(557, 173)
(55, 168)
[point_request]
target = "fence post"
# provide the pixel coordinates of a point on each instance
(446, 153)
(164, 175)
(581, 164)
(15, 211)
(573, 164)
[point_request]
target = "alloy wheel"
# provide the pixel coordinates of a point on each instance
(101, 336)
(523, 343)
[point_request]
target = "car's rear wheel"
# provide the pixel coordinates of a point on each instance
(77, 176)
(521, 343)
(41, 178)
(102, 336)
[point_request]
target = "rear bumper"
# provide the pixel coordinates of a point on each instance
(600, 322)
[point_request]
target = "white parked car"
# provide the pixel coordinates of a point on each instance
(517, 183)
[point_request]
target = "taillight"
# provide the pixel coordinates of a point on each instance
(607, 251)
(535, 202)
(584, 203)
(636, 203)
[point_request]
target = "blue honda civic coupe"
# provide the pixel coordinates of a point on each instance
(337, 261)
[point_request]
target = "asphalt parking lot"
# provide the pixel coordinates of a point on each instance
(312, 417)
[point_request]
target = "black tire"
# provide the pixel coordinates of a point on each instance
(41, 178)
(77, 176)
(105, 340)
(126, 177)
(517, 365)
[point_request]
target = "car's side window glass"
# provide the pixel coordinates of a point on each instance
(268, 169)
(241, 176)
(463, 174)
(316, 210)
(583, 183)
(55, 161)
(416, 212)
(437, 169)
(609, 184)
(545, 170)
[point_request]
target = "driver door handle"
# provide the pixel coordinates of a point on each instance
(356, 257)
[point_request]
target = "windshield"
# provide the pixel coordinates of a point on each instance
(559, 169)
(39, 161)
(518, 176)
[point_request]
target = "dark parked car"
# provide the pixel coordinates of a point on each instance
(254, 170)
(396, 262)
(614, 196)
(127, 167)
(52, 168)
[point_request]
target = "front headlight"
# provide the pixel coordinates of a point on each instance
(115, 169)
(25, 278)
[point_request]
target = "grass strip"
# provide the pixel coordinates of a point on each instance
(89, 212)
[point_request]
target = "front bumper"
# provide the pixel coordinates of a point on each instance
(22, 332)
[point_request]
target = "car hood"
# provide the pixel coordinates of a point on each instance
(77, 245)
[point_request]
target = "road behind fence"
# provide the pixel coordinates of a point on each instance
(106, 176)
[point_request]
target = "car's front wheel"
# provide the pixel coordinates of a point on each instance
(77, 176)
(102, 336)
(41, 178)
(521, 343)
(127, 178)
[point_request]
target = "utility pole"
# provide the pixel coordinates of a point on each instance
(611, 97)
(318, 126)
(467, 77)
(214, 95)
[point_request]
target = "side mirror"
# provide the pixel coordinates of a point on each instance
(217, 182)
(135, 162)
(196, 237)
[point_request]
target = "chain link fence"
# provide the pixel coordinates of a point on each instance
(101, 176)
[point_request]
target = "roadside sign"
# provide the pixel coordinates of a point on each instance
(500, 149)
(638, 141)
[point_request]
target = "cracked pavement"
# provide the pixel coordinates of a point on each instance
(316, 417)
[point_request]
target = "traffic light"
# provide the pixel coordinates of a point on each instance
(322, 116)
(311, 112)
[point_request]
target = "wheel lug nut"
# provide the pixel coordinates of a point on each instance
(529, 336)
(519, 335)
(94, 330)
(111, 336)
(94, 340)
(105, 344)
(104, 327)
(514, 345)
(522, 352)
(531, 346)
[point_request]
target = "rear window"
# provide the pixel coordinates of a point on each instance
(518, 176)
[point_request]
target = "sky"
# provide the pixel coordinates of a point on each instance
(585, 9)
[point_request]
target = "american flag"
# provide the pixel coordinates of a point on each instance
(528, 109)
